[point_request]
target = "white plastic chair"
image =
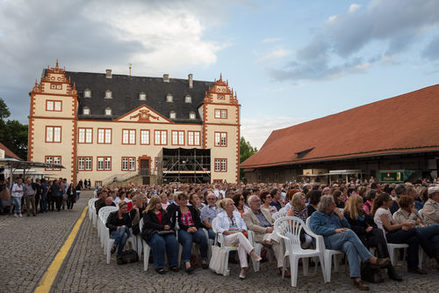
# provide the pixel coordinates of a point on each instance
(394, 248)
(220, 240)
(101, 223)
(329, 255)
(288, 228)
(146, 248)
(257, 247)
(91, 207)
(108, 242)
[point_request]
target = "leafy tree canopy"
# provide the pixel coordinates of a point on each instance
(13, 134)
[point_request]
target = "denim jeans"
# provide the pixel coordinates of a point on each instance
(161, 244)
(43, 203)
(211, 234)
(186, 239)
(431, 233)
(408, 237)
(349, 243)
(120, 238)
(16, 201)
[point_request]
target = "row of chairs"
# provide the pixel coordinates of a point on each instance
(99, 221)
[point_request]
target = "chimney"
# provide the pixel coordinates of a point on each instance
(165, 77)
(108, 73)
(190, 77)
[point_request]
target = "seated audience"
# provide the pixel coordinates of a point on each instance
(190, 231)
(329, 222)
(397, 233)
(119, 224)
(298, 209)
(230, 223)
(209, 212)
(259, 221)
(431, 207)
(157, 232)
(366, 229)
(239, 202)
(266, 200)
(408, 213)
(314, 199)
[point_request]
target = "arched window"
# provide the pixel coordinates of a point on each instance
(172, 115)
(169, 98)
(188, 99)
(108, 94)
(86, 111)
(192, 115)
(108, 111)
(87, 93)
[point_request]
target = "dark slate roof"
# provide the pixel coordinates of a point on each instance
(125, 95)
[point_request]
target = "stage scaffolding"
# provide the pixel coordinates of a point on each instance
(184, 165)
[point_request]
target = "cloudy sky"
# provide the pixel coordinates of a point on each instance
(290, 61)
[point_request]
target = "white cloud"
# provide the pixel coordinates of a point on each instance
(272, 40)
(256, 131)
(389, 27)
(274, 54)
(89, 35)
(354, 7)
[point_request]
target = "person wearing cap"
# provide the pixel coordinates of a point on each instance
(431, 207)
(119, 224)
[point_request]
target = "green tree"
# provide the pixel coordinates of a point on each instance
(246, 150)
(13, 134)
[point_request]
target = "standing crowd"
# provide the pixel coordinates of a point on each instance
(351, 217)
(39, 196)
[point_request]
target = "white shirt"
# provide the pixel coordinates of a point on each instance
(377, 217)
(17, 191)
(222, 222)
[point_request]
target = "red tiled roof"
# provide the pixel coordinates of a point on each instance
(402, 124)
(8, 152)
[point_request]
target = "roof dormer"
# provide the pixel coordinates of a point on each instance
(108, 111)
(86, 111)
(169, 98)
(87, 93)
(188, 99)
(108, 94)
(172, 115)
(142, 96)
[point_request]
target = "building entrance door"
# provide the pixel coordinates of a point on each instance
(144, 167)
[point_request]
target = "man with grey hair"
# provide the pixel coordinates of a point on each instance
(260, 222)
(329, 222)
(431, 206)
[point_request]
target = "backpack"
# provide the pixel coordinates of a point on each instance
(127, 256)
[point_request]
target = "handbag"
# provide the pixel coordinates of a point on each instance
(165, 232)
(128, 256)
(218, 260)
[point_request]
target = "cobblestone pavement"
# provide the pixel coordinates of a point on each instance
(85, 269)
(29, 244)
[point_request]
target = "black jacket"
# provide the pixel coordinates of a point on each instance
(359, 227)
(151, 224)
(174, 214)
(113, 221)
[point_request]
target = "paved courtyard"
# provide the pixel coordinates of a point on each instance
(28, 245)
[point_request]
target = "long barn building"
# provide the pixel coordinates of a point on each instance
(109, 127)
(394, 139)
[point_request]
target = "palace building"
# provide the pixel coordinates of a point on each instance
(108, 127)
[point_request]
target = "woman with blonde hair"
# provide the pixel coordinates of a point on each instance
(298, 209)
(366, 229)
(230, 223)
(157, 232)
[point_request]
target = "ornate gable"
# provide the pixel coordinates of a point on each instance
(144, 114)
(220, 93)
